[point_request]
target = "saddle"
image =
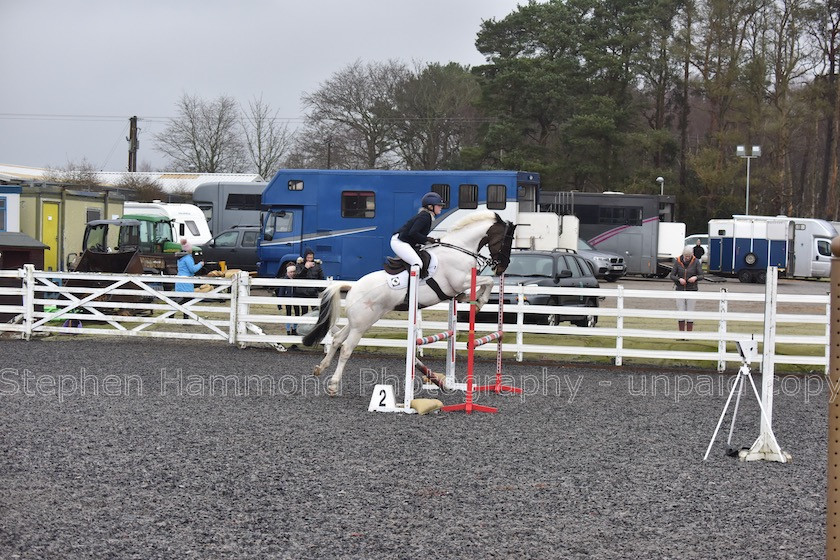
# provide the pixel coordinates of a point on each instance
(394, 266)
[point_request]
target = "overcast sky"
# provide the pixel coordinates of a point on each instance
(74, 71)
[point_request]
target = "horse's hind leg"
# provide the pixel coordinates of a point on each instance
(347, 348)
(338, 339)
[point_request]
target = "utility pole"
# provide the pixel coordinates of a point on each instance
(133, 144)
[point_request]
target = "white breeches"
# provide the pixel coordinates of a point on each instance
(405, 251)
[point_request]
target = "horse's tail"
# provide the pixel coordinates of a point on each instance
(330, 310)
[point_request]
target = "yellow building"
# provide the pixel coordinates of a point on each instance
(56, 216)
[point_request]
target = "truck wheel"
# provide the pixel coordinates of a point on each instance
(750, 258)
(745, 276)
(761, 277)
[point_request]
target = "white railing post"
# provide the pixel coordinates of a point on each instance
(826, 371)
(28, 299)
(619, 325)
(238, 310)
(723, 308)
(520, 322)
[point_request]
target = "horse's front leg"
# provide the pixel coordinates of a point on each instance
(483, 287)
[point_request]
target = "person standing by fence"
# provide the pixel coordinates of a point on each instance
(685, 274)
(290, 291)
(309, 268)
(187, 267)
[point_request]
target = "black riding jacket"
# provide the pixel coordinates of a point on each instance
(416, 230)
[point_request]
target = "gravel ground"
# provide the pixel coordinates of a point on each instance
(132, 449)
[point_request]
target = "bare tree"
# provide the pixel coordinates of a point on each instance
(81, 173)
(358, 106)
(267, 139)
(204, 137)
(145, 189)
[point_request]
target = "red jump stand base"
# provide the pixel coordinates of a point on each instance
(498, 388)
(469, 408)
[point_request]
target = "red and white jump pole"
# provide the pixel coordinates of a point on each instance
(469, 406)
(498, 387)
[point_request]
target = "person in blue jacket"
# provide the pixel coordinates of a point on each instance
(187, 267)
(407, 240)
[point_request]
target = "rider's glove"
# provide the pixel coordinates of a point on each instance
(432, 240)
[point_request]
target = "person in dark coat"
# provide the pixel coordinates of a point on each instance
(685, 274)
(309, 268)
(699, 251)
(290, 291)
(407, 240)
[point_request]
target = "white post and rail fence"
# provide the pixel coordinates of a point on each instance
(634, 325)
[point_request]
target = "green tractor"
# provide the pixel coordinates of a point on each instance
(132, 244)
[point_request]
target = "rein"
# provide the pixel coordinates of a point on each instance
(481, 260)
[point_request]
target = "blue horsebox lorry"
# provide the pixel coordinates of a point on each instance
(347, 217)
(745, 246)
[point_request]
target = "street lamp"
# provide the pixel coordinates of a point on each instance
(661, 181)
(741, 151)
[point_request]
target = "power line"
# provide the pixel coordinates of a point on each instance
(165, 120)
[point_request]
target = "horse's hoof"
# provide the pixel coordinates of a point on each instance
(332, 390)
(316, 371)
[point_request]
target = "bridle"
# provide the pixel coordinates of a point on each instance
(502, 256)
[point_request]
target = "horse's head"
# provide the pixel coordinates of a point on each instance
(499, 240)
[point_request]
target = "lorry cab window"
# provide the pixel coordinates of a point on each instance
(278, 222)
(824, 247)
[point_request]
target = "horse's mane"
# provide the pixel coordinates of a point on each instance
(473, 218)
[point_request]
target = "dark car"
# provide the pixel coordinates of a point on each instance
(236, 246)
(550, 269)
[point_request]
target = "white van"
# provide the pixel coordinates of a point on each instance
(188, 220)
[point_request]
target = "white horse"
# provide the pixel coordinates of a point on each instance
(371, 297)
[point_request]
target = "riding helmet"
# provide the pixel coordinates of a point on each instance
(431, 199)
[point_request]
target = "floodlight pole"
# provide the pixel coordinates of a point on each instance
(741, 151)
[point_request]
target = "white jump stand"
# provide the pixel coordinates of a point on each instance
(766, 447)
(382, 400)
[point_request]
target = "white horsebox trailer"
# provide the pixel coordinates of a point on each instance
(188, 219)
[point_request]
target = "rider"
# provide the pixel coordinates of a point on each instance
(407, 240)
